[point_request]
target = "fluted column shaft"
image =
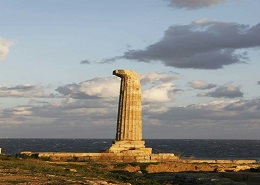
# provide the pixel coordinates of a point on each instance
(129, 121)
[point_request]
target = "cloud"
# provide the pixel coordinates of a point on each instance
(193, 4)
(159, 93)
(86, 61)
(157, 87)
(213, 120)
(73, 118)
(22, 90)
(17, 111)
(214, 113)
(63, 113)
(94, 88)
(96, 118)
(199, 84)
(4, 48)
(244, 105)
(258, 82)
(156, 78)
(224, 91)
(203, 44)
(91, 108)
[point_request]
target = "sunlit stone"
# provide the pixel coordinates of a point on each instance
(129, 120)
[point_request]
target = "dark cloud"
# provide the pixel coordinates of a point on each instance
(212, 112)
(213, 120)
(19, 87)
(258, 82)
(23, 90)
(198, 84)
(202, 44)
(224, 91)
(193, 4)
(209, 120)
(86, 61)
(68, 89)
(93, 109)
(244, 105)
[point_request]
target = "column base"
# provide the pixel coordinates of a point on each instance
(129, 147)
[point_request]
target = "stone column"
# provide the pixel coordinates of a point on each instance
(129, 120)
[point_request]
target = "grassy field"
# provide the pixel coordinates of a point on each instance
(15, 170)
(29, 171)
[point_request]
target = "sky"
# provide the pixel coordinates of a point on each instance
(198, 61)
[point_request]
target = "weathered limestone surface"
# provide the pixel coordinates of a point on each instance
(130, 156)
(212, 161)
(129, 120)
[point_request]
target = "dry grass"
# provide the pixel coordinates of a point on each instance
(14, 170)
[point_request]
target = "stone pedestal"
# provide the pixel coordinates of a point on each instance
(129, 147)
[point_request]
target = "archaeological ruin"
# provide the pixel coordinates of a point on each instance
(129, 118)
(128, 145)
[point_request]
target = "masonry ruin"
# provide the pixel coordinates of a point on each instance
(129, 118)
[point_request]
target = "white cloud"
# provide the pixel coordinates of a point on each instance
(107, 87)
(151, 108)
(199, 84)
(156, 78)
(159, 93)
(194, 4)
(216, 105)
(94, 88)
(22, 111)
(4, 48)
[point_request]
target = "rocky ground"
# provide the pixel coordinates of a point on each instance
(15, 170)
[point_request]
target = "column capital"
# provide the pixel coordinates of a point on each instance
(122, 73)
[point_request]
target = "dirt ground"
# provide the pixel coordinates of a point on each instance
(37, 172)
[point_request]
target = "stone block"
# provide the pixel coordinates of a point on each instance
(199, 161)
(244, 161)
(224, 161)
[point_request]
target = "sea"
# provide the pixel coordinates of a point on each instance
(185, 148)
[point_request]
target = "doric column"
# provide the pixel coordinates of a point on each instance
(129, 120)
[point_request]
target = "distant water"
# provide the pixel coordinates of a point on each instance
(199, 149)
